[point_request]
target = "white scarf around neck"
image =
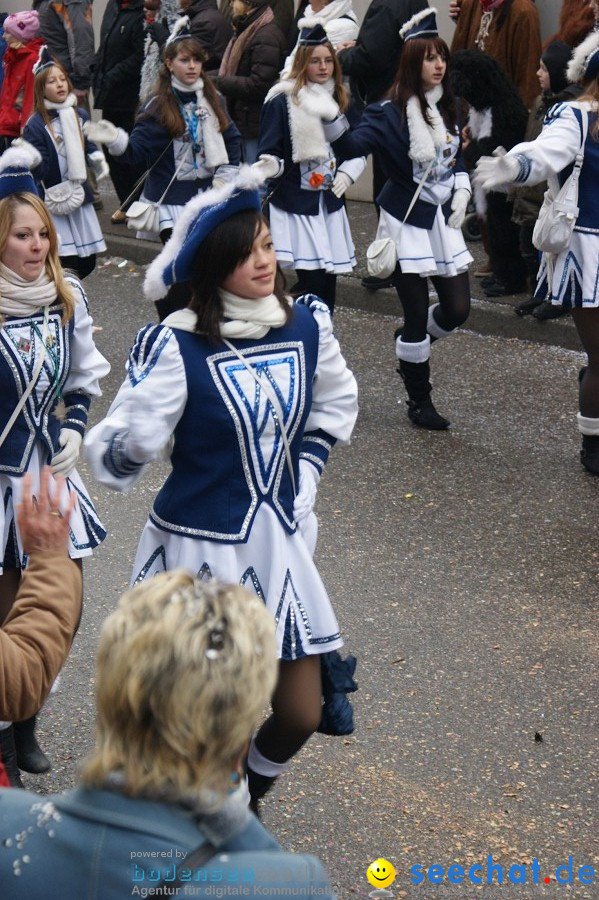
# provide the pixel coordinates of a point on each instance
(213, 142)
(425, 138)
(71, 135)
(244, 318)
(314, 102)
(22, 298)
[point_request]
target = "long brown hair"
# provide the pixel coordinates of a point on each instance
(39, 95)
(408, 81)
(53, 267)
(164, 106)
(225, 248)
(591, 95)
(299, 73)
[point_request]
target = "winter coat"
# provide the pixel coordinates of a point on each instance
(36, 635)
(68, 31)
(257, 71)
(119, 59)
(16, 96)
(516, 45)
(211, 29)
(372, 63)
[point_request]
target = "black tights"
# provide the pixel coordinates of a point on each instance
(82, 266)
(296, 709)
(319, 282)
(587, 325)
(178, 295)
(454, 303)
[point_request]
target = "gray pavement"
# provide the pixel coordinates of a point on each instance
(463, 569)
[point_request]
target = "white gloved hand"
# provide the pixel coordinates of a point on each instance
(99, 165)
(459, 205)
(65, 460)
(309, 476)
(340, 184)
(494, 172)
(268, 166)
(101, 132)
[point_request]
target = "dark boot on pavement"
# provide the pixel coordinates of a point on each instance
(589, 454)
(545, 311)
(8, 755)
(259, 786)
(527, 306)
(414, 368)
(30, 756)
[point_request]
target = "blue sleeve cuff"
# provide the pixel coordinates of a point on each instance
(116, 460)
(316, 447)
(524, 166)
(77, 405)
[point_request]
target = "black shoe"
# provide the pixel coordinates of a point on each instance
(488, 280)
(589, 455)
(548, 311)
(8, 757)
(500, 289)
(424, 415)
(30, 756)
(375, 284)
(527, 306)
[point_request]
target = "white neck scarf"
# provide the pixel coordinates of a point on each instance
(425, 138)
(212, 140)
(244, 318)
(22, 298)
(71, 135)
(314, 102)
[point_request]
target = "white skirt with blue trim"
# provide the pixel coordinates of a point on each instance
(440, 250)
(79, 233)
(273, 564)
(575, 274)
(85, 528)
(323, 241)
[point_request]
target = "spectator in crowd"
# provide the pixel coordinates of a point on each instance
(250, 67)
(117, 78)
(210, 28)
(3, 46)
(183, 673)
(68, 31)
(510, 32)
(336, 17)
(21, 33)
(555, 88)
(371, 63)
(571, 277)
(159, 19)
(36, 636)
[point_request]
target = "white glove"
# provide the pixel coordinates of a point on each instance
(459, 204)
(99, 165)
(268, 166)
(494, 172)
(309, 476)
(340, 184)
(65, 460)
(101, 132)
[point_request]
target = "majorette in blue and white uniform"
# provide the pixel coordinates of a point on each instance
(69, 377)
(226, 509)
(308, 222)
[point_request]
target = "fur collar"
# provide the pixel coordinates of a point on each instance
(426, 139)
(306, 112)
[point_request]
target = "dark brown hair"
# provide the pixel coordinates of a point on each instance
(299, 73)
(164, 106)
(39, 88)
(408, 81)
(225, 248)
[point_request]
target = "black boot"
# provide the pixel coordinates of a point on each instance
(259, 786)
(421, 412)
(589, 455)
(30, 756)
(8, 756)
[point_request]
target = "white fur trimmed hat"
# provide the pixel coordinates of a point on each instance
(423, 24)
(16, 164)
(584, 65)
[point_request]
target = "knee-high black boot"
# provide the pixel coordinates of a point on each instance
(8, 756)
(414, 368)
(258, 786)
(30, 756)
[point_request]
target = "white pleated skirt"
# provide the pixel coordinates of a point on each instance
(323, 241)
(275, 565)
(440, 250)
(79, 233)
(575, 275)
(85, 528)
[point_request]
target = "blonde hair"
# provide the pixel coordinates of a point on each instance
(54, 269)
(184, 670)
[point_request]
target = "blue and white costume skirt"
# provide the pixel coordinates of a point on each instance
(79, 233)
(276, 566)
(573, 274)
(440, 250)
(313, 242)
(85, 528)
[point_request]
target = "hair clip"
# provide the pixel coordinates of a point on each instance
(216, 640)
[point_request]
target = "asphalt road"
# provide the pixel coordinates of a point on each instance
(463, 568)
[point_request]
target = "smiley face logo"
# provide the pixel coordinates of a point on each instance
(380, 873)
